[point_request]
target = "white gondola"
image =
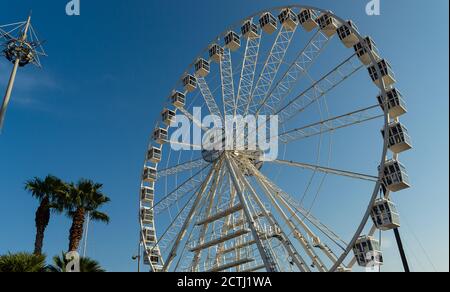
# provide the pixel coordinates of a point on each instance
(189, 83)
(363, 53)
(396, 103)
(385, 215)
(147, 216)
(399, 139)
(148, 194)
(153, 254)
(150, 175)
(395, 177)
(168, 116)
(368, 252)
(178, 99)
(154, 155)
(216, 53)
(307, 19)
(202, 67)
(346, 35)
(249, 30)
(149, 235)
(387, 74)
(268, 23)
(232, 41)
(160, 135)
(288, 19)
(328, 24)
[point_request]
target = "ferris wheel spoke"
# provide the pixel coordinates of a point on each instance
(297, 69)
(186, 166)
(328, 170)
(180, 217)
(173, 252)
(247, 78)
(271, 192)
(226, 70)
(318, 90)
(180, 191)
(185, 145)
(208, 97)
(192, 119)
(270, 69)
(300, 210)
(288, 246)
(294, 230)
(330, 125)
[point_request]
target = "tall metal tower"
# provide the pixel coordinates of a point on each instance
(20, 46)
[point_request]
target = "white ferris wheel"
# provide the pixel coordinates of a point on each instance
(231, 210)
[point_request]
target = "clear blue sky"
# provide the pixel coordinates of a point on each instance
(89, 112)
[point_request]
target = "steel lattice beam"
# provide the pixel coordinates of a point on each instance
(226, 70)
(296, 70)
(247, 79)
(332, 124)
(270, 70)
(322, 87)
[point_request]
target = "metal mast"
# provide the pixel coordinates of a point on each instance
(20, 47)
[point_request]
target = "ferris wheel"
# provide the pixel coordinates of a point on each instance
(234, 210)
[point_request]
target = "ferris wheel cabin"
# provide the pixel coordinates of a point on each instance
(364, 54)
(288, 19)
(150, 175)
(154, 155)
(178, 99)
(307, 19)
(395, 177)
(148, 194)
(232, 41)
(189, 83)
(153, 254)
(396, 103)
(346, 35)
(368, 252)
(249, 30)
(387, 75)
(268, 23)
(216, 53)
(385, 215)
(399, 139)
(147, 216)
(168, 116)
(202, 68)
(160, 135)
(327, 24)
(149, 235)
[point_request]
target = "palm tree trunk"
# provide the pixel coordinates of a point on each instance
(76, 231)
(42, 219)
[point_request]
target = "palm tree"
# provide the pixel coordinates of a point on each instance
(87, 265)
(22, 263)
(51, 193)
(84, 199)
